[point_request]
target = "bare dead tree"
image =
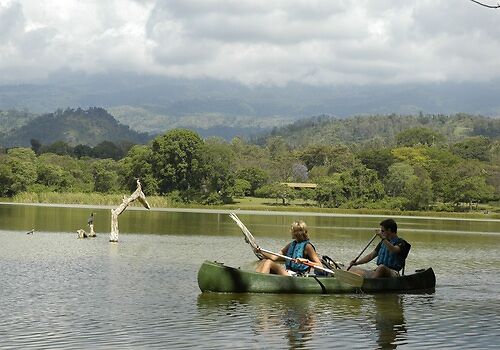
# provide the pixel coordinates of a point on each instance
(486, 5)
(139, 195)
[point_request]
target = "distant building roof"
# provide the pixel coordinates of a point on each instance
(299, 185)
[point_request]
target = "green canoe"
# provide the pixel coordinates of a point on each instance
(216, 277)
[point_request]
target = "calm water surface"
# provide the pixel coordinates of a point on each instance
(59, 292)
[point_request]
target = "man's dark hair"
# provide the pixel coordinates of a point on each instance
(390, 224)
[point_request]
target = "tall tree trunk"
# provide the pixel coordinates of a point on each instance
(139, 195)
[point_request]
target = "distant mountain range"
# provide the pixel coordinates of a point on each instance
(145, 104)
(213, 107)
(74, 126)
(94, 125)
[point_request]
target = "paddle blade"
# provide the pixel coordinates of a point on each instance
(248, 235)
(351, 278)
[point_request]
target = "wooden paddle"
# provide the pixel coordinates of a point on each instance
(363, 250)
(344, 276)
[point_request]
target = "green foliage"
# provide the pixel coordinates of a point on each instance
(317, 155)
(473, 148)
(75, 175)
(362, 183)
(397, 179)
(218, 164)
(418, 136)
(241, 188)
(19, 170)
(138, 164)
(178, 161)
(105, 173)
(371, 174)
(6, 177)
(330, 192)
(378, 159)
(384, 128)
(254, 176)
(418, 192)
(276, 191)
(61, 148)
(107, 149)
(82, 151)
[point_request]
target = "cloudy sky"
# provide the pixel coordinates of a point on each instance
(272, 42)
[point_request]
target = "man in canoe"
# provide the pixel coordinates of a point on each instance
(391, 253)
(300, 249)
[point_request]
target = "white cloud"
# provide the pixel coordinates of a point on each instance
(253, 41)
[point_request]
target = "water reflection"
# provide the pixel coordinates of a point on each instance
(295, 317)
(302, 321)
(389, 320)
(291, 318)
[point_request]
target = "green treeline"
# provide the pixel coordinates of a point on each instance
(417, 168)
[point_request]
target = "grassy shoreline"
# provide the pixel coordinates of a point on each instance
(250, 204)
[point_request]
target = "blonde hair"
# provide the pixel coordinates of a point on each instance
(299, 231)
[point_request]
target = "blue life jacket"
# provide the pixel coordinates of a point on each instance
(296, 250)
(394, 261)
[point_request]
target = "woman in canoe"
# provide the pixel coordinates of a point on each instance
(299, 249)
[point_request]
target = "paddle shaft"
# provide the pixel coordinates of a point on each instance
(307, 263)
(344, 276)
(375, 235)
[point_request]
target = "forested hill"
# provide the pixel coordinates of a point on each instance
(382, 129)
(73, 126)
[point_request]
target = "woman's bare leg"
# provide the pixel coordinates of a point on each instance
(269, 266)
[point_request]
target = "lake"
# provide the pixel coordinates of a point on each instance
(60, 292)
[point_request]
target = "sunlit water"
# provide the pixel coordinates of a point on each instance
(59, 292)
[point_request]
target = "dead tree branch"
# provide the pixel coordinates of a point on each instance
(486, 5)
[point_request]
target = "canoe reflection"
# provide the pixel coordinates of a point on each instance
(308, 321)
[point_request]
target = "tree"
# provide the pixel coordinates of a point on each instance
(378, 159)
(418, 136)
(138, 164)
(418, 192)
(276, 190)
(465, 183)
(217, 160)
(316, 155)
(59, 147)
(277, 148)
(107, 149)
(281, 159)
(82, 151)
(53, 176)
(75, 174)
(473, 148)
(241, 188)
(397, 179)
(36, 146)
(178, 162)
(22, 164)
(361, 183)
(6, 178)
(474, 190)
(330, 192)
(105, 174)
(255, 176)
